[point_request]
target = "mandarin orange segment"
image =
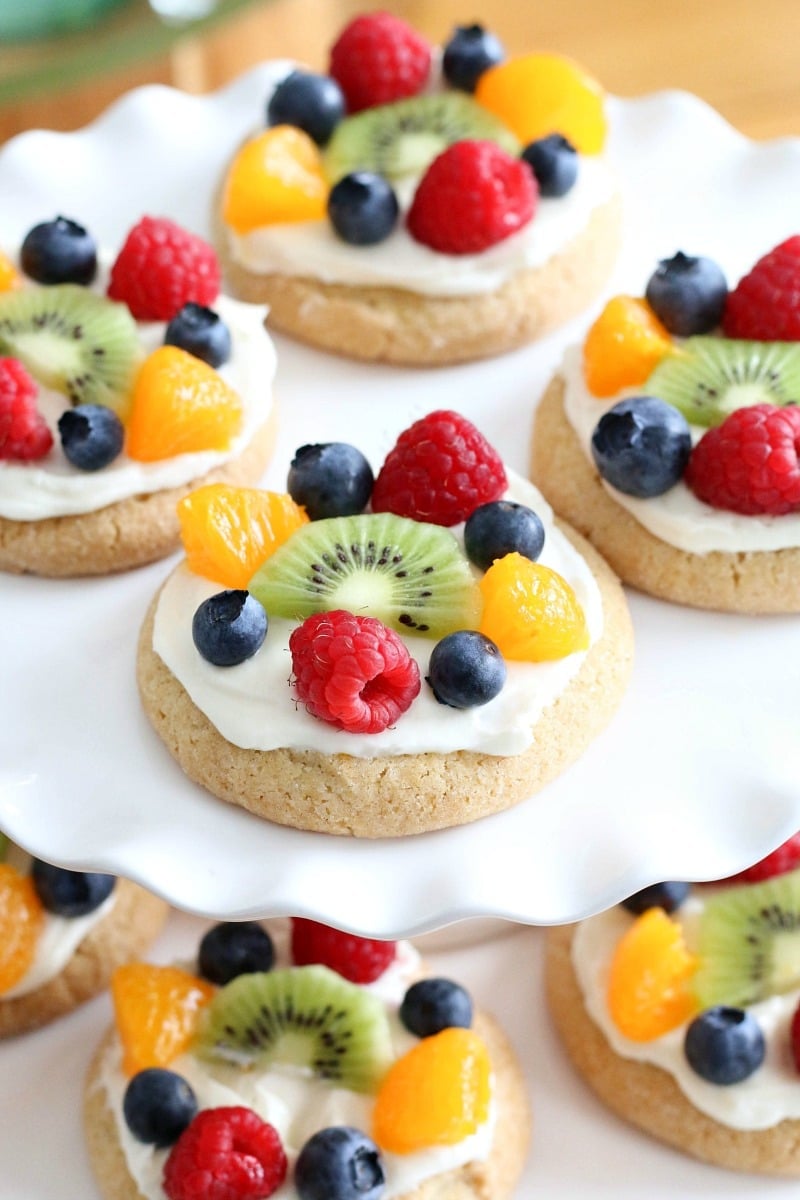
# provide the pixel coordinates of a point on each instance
(538, 94)
(180, 405)
(156, 1011)
(647, 985)
(435, 1095)
(626, 343)
(21, 920)
(228, 532)
(530, 611)
(275, 177)
(9, 277)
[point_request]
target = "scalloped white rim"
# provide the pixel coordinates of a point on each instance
(698, 775)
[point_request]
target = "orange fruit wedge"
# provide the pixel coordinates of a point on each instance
(530, 611)
(156, 1011)
(647, 985)
(623, 346)
(21, 920)
(9, 276)
(538, 94)
(276, 176)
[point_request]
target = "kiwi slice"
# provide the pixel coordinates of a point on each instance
(401, 139)
(709, 377)
(749, 942)
(410, 575)
(73, 340)
(304, 1017)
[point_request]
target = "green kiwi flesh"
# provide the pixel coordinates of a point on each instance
(410, 575)
(749, 942)
(710, 377)
(401, 139)
(74, 341)
(307, 1017)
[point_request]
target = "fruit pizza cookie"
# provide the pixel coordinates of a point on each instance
(307, 1064)
(419, 665)
(680, 1008)
(419, 208)
(119, 393)
(64, 933)
(672, 438)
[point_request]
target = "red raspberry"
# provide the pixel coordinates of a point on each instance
(352, 671)
(785, 858)
(440, 470)
(750, 463)
(378, 58)
(160, 268)
(359, 959)
(765, 305)
(472, 196)
(24, 433)
(225, 1154)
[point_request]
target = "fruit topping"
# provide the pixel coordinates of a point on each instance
(363, 208)
(434, 1004)
(59, 251)
(466, 669)
(538, 94)
(227, 532)
(180, 406)
(156, 1011)
(313, 103)
(21, 920)
(623, 346)
(667, 896)
(472, 196)
(339, 1162)
(24, 433)
(531, 612)
(92, 436)
(160, 268)
(649, 979)
(452, 1071)
(411, 576)
(359, 959)
(399, 140)
(352, 671)
(225, 1154)
(687, 294)
(785, 858)
(201, 332)
(469, 52)
(9, 278)
(276, 176)
(158, 1105)
(641, 446)
(502, 527)
(439, 470)
(750, 463)
(304, 1016)
(330, 479)
(74, 341)
(70, 893)
(229, 628)
(378, 58)
(765, 304)
(234, 948)
(554, 162)
(724, 1045)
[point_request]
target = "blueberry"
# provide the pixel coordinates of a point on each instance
(59, 251)
(470, 51)
(339, 1163)
(235, 948)
(554, 162)
(158, 1105)
(70, 893)
(687, 294)
(724, 1045)
(312, 102)
(330, 479)
(363, 208)
(229, 627)
(641, 446)
(466, 669)
(668, 896)
(433, 1004)
(201, 332)
(92, 436)
(502, 527)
